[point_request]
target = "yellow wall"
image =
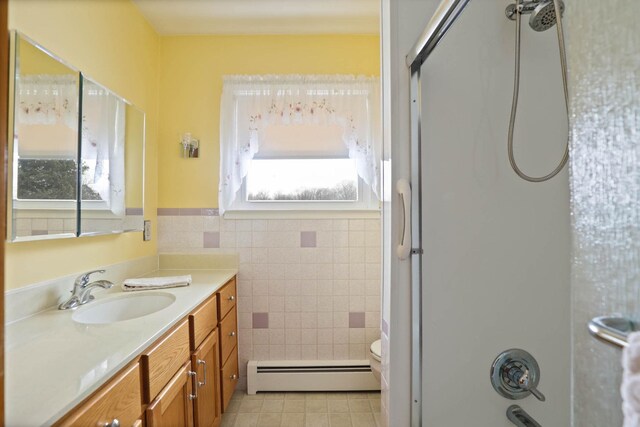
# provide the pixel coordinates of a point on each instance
(113, 44)
(191, 70)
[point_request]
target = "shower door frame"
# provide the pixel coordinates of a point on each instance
(446, 14)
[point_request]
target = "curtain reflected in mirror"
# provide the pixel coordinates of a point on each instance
(77, 155)
(43, 196)
(112, 134)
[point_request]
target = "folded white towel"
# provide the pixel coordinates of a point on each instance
(630, 387)
(147, 283)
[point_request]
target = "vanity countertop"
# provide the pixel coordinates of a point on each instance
(53, 363)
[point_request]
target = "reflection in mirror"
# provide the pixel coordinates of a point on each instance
(112, 146)
(44, 153)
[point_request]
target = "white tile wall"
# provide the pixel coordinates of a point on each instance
(308, 292)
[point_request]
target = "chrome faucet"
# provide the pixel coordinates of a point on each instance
(82, 287)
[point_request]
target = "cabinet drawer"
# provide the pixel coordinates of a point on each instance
(119, 399)
(230, 376)
(228, 335)
(227, 297)
(202, 321)
(162, 360)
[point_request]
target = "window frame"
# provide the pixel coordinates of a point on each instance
(367, 201)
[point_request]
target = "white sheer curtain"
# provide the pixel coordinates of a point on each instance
(103, 128)
(250, 103)
(45, 99)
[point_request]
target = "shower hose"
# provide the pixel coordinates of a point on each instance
(516, 89)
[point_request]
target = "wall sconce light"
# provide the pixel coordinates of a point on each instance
(189, 147)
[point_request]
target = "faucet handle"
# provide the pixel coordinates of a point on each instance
(83, 279)
(525, 384)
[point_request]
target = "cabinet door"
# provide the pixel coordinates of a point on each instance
(204, 361)
(173, 407)
(119, 400)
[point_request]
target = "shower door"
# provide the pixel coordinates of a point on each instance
(604, 59)
(495, 261)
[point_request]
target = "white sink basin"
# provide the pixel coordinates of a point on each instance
(123, 307)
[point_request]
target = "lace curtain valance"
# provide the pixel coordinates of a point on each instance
(48, 99)
(250, 103)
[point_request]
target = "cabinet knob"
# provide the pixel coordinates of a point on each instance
(231, 298)
(114, 423)
(232, 333)
(233, 377)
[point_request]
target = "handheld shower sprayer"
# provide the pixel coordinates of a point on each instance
(544, 15)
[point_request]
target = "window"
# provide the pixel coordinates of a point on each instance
(299, 142)
(302, 180)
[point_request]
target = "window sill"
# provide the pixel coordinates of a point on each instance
(303, 214)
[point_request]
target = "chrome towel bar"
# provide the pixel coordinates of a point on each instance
(612, 330)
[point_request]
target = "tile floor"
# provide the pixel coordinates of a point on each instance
(333, 409)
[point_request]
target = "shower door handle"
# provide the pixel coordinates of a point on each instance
(404, 247)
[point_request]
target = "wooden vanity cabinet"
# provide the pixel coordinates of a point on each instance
(204, 362)
(119, 401)
(228, 333)
(162, 360)
(186, 378)
(173, 407)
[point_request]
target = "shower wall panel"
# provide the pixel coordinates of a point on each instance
(604, 68)
(496, 248)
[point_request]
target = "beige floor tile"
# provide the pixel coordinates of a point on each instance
(359, 405)
(270, 420)
(250, 406)
(237, 395)
(339, 420)
(357, 395)
(316, 420)
(234, 405)
(246, 420)
(272, 405)
(292, 420)
(338, 406)
(362, 420)
(375, 405)
(315, 406)
(378, 419)
(257, 396)
(335, 395)
(373, 395)
(273, 396)
(316, 396)
(294, 396)
(228, 420)
(294, 406)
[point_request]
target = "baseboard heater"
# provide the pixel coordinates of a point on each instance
(310, 375)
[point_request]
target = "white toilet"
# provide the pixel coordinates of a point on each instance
(374, 358)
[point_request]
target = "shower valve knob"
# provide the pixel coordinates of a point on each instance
(515, 375)
(522, 379)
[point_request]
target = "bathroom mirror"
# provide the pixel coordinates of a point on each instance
(42, 183)
(112, 159)
(78, 152)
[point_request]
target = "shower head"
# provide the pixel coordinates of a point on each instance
(543, 16)
(543, 12)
